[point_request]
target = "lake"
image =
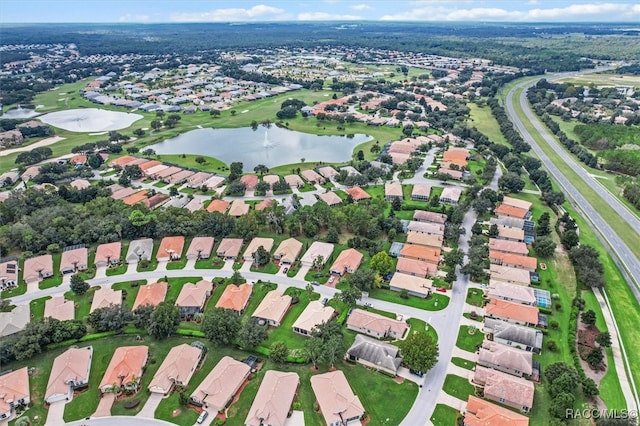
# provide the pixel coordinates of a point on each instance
(272, 147)
(20, 113)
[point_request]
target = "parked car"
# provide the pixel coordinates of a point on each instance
(325, 301)
(331, 279)
(416, 372)
(441, 289)
(315, 283)
(202, 416)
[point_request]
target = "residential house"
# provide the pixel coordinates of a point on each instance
(8, 274)
(105, 297)
(482, 413)
(514, 202)
(14, 391)
(420, 192)
(514, 313)
(505, 358)
(194, 204)
(11, 138)
(375, 354)
(507, 222)
(272, 308)
(426, 240)
(512, 391)
(252, 247)
(137, 197)
(213, 182)
(294, 181)
(425, 228)
(312, 177)
(235, 297)
(176, 369)
(80, 184)
(198, 179)
(511, 234)
(318, 251)
(107, 254)
(458, 156)
(513, 260)
(511, 211)
(328, 172)
(422, 253)
(338, 404)
(393, 190)
(125, 368)
(151, 294)
(59, 308)
(74, 259)
(331, 198)
(505, 246)
(37, 268)
(229, 248)
(272, 403)
(288, 251)
(357, 193)
(347, 262)
(451, 195)
(510, 275)
(520, 337)
(70, 371)
(180, 177)
(415, 286)
(30, 173)
(220, 386)
(15, 320)
(139, 250)
(166, 173)
(193, 298)
(427, 216)
(376, 325)
(250, 181)
(200, 248)
(155, 200)
(264, 204)
(313, 315)
(219, 206)
(512, 293)
(238, 208)
(170, 248)
(416, 268)
(271, 180)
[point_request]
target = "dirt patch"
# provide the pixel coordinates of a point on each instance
(398, 379)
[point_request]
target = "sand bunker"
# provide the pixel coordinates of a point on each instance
(90, 120)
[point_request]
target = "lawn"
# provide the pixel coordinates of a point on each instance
(475, 297)
(188, 161)
(434, 302)
(129, 291)
(485, 122)
(269, 268)
(37, 307)
(175, 285)
(187, 416)
(443, 415)
(285, 333)
(213, 262)
(469, 342)
(458, 387)
(82, 302)
(463, 363)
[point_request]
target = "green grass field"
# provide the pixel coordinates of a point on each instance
(469, 342)
(485, 122)
(458, 387)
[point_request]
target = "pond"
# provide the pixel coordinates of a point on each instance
(20, 112)
(272, 147)
(90, 120)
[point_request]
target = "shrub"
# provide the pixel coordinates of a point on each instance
(132, 404)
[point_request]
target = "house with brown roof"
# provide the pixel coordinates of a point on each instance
(235, 297)
(107, 254)
(376, 325)
(219, 206)
(312, 177)
(147, 165)
(238, 208)
(420, 192)
(8, 274)
(273, 308)
(337, 402)
(264, 204)
(30, 173)
(511, 234)
(250, 181)
(294, 181)
(511, 293)
(331, 198)
(505, 358)
(313, 315)
(252, 247)
(316, 250)
(513, 260)
(510, 275)
(427, 216)
(505, 246)
(80, 184)
(37, 268)
(151, 294)
(229, 248)
(457, 156)
(426, 240)
(176, 369)
(357, 193)
(135, 198)
(515, 392)
(200, 248)
(416, 268)
(59, 308)
(125, 368)
(273, 401)
(374, 354)
(139, 249)
(14, 391)
(393, 190)
(14, 321)
(74, 259)
(425, 227)
(423, 253)
(155, 200)
(193, 298)
(170, 248)
(451, 195)
(515, 313)
(288, 251)
(122, 161)
(415, 286)
(221, 385)
(70, 371)
(515, 202)
(482, 413)
(347, 262)
(105, 297)
(511, 211)
(166, 173)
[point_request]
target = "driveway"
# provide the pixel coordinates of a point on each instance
(150, 406)
(104, 406)
(101, 271)
(302, 272)
(56, 413)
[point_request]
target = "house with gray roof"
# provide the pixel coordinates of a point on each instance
(375, 354)
(139, 249)
(525, 338)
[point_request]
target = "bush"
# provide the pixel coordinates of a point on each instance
(131, 404)
(552, 345)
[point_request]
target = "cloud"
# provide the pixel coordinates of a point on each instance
(575, 12)
(361, 6)
(133, 18)
(322, 16)
(259, 12)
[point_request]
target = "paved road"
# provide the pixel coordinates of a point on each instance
(628, 260)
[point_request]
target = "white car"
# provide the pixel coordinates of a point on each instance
(202, 416)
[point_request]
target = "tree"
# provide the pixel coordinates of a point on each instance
(237, 278)
(109, 318)
(200, 159)
(252, 334)
(78, 285)
(595, 357)
(590, 388)
(396, 204)
(279, 352)
(382, 263)
(333, 349)
(350, 295)
(560, 404)
(544, 221)
(164, 320)
(313, 350)
(363, 279)
(604, 339)
(261, 256)
(569, 239)
(235, 168)
(454, 258)
(141, 316)
(555, 370)
(318, 262)
(221, 326)
(565, 383)
(493, 231)
(261, 169)
(544, 246)
(173, 191)
(156, 125)
(511, 182)
(420, 351)
(588, 317)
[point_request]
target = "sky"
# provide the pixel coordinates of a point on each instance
(154, 11)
